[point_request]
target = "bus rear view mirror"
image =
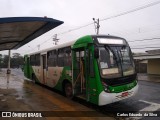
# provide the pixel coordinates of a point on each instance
(96, 53)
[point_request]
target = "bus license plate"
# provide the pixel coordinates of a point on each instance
(124, 94)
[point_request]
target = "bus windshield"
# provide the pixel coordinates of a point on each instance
(115, 61)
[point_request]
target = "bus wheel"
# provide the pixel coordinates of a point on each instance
(68, 90)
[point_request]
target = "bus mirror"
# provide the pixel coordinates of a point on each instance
(96, 53)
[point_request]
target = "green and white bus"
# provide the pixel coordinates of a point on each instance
(97, 68)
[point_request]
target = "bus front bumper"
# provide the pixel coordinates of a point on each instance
(107, 98)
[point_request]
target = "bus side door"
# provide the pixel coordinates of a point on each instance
(84, 82)
(43, 68)
(79, 77)
(91, 91)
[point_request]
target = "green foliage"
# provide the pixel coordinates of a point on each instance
(16, 61)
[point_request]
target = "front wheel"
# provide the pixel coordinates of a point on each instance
(68, 90)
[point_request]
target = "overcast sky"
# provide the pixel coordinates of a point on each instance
(142, 24)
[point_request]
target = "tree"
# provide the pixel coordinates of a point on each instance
(16, 55)
(16, 61)
(5, 61)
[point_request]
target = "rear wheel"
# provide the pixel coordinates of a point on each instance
(68, 90)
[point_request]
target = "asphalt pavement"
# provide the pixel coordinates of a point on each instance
(20, 94)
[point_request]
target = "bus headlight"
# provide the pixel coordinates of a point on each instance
(106, 87)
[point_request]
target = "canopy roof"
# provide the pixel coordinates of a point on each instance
(17, 31)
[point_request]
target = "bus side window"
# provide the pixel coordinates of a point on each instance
(67, 55)
(32, 60)
(60, 57)
(55, 58)
(37, 60)
(52, 58)
(49, 59)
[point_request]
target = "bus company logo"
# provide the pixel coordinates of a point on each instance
(6, 114)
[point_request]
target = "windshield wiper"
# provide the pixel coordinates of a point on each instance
(114, 55)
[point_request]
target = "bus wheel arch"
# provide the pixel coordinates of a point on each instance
(67, 88)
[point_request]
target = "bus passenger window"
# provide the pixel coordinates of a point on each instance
(37, 60)
(67, 56)
(52, 58)
(32, 60)
(60, 58)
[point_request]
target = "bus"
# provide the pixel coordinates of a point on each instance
(96, 68)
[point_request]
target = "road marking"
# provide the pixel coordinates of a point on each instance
(149, 102)
(151, 108)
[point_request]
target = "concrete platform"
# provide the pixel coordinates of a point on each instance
(19, 94)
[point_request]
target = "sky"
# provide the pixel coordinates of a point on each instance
(139, 25)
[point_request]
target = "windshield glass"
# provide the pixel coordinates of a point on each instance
(115, 61)
(126, 61)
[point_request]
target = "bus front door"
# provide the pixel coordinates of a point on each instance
(79, 76)
(84, 83)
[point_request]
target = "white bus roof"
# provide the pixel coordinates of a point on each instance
(70, 43)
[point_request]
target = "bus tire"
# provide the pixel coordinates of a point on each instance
(68, 90)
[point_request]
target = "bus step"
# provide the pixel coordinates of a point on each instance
(81, 96)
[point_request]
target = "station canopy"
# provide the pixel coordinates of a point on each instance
(17, 31)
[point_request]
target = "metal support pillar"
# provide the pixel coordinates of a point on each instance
(96, 24)
(9, 59)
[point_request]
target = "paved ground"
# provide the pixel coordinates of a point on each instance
(148, 77)
(147, 100)
(17, 94)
